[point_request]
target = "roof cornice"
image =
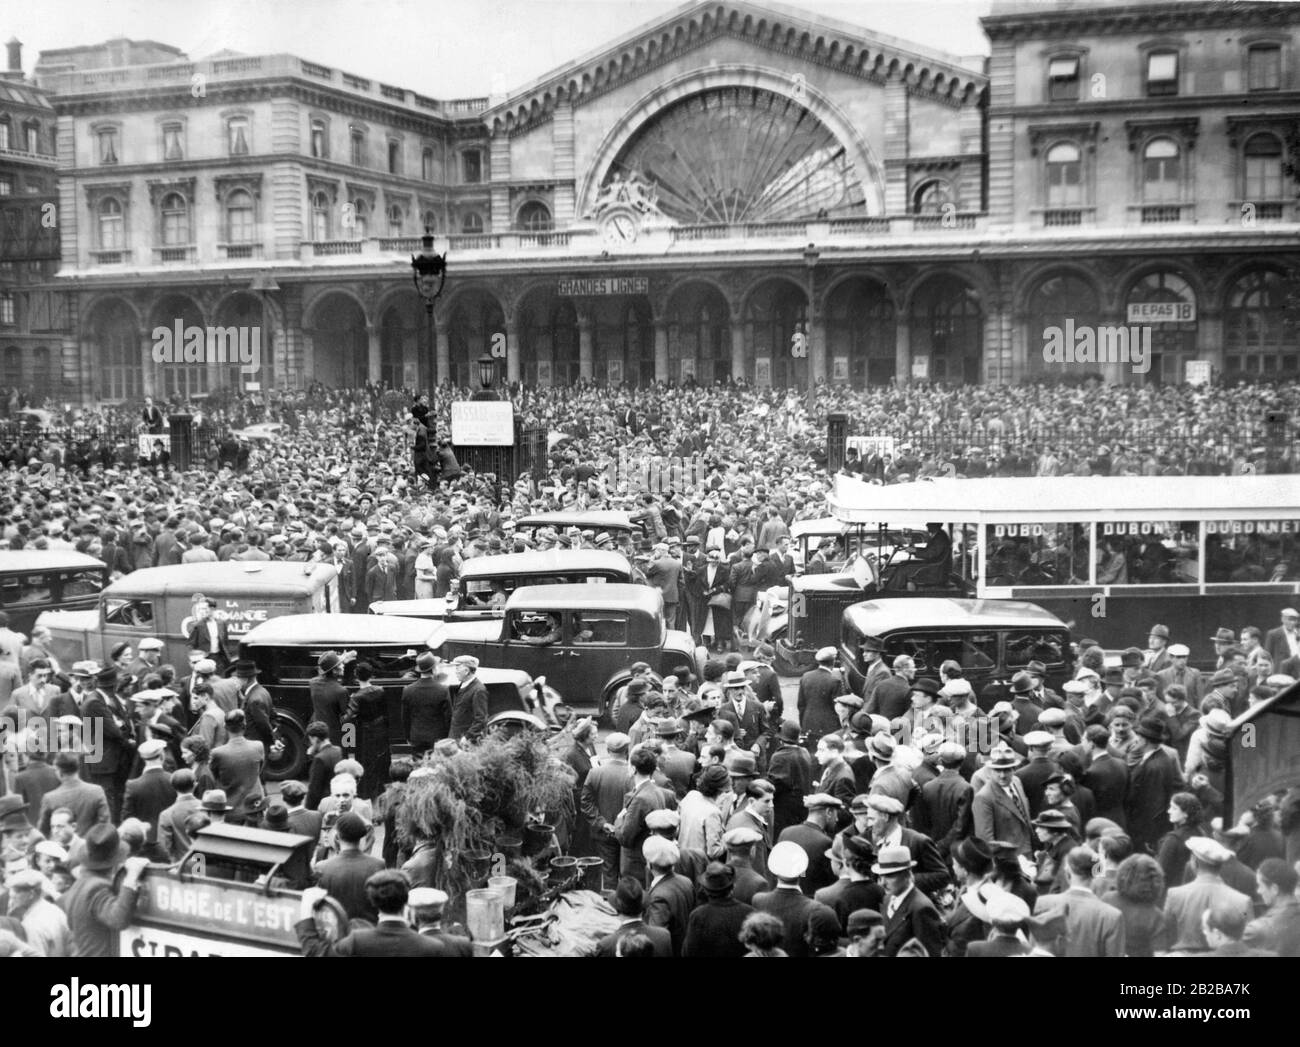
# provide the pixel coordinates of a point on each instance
(1139, 19)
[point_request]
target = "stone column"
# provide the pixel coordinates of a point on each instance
(374, 357)
(738, 353)
(513, 368)
(661, 352)
(150, 372)
(902, 351)
(817, 350)
(584, 345)
(1209, 338)
(307, 369)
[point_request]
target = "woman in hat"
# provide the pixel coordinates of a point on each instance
(367, 715)
(1057, 836)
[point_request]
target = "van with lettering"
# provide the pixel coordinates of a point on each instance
(158, 602)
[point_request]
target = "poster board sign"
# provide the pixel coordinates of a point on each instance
(840, 369)
(688, 368)
(763, 371)
(223, 909)
(148, 441)
(870, 445)
(920, 367)
(483, 423)
(142, 942)
(1162, 312)
(1197, 372)
(544, 372)
(614, 370)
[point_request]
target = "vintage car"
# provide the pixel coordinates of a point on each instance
(486, 582)
(583, 638)
(991, 640)
(612, 521)
(157, 602)
(286, 651)
(34, 581)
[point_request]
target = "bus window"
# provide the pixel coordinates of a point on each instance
(1028, 646)
(1036, 554)
(16, 590)
(1152, 552)
(82, 583)
(1252, 550)
(128, 612)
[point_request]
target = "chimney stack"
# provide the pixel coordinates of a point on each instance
(15, 56)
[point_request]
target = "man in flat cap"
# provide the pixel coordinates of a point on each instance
(1179, 672)
(818, 689)
(788, 862)
(739, 844)
(691, 861)
(1034, 774)
(887, 830)
(670, 897)
(427, 905)
(1184, 904)
(814, 835)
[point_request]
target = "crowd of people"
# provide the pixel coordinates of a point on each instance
(899, 821)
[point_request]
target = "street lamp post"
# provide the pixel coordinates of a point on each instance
(810, 256)
(487, 373)
(429, 271)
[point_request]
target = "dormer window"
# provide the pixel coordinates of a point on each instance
(1063, 79)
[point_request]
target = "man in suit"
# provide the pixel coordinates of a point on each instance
(602, 799)
(1033, 775)
(664, 573)
(908, 912)
(629, 826)
(678, 766)
(96, 910)
(173, 840)
(671, 896)
(104, 708)
(1157, 657)
(152, 417)
(692, 575)
(1185, 904)
(791, 772)
(1106, 775)
(344, 876)
(814, 836)
(891, 697)
(151, 793)
(1092, 928)
(426, 708)
(324, 756)
(886, 813)
(387, 893)
(765, 684)
(875, 668)
(302, 821)
(329, 698)
(1179, 672)
(713, 929)
(1006, 913)
(238, 764)
(818, 689)
(748, 717)
(836, 775)
(166, 546)
(33, 782)
(469, 711)
(1000, 809)
(1153, 780)
(943, 812)
(256, 702)
(1283, 642)
(208, 635)
(788, 862)
(739, 843)
(88, 803)
(629, 903)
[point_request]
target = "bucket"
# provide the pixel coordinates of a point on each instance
(592, 870)
(506, 885)
(485, 915)
(511, 846)
(537, 837)
(477, 865)
(562, 869)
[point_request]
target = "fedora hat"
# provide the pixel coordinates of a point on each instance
(926, 686)
(1003, 758)
(104, 848)
(1152, 728)
(718, 879)
(245, 667)
(872, 643)
(893, 860)
(1052, 819)
(743, 765)
(669, 728)
(1022, 683)
(215, 800)
(328, 662)
(789, 732)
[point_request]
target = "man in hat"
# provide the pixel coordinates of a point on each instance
(691, 861)
(151, 723)
(173, 839)
(44, 923)
(469, 709)
(921, 718)
(256, 702)
(790, 770)
(739, 844)
(427, 905)
(151, 793)
(329, 698)
(209, 635)
(629, 825)
(426, 707)
(887, 830)
(908, 912)
(1283, 643)
(1184, 904)
(713, 929)
(814, 835)
(1034, 774)
(147, 658)
(1024, 700)
(629, 903)
(892, 695)
(677, 765)
(1007, 914)
(845, 706)
(1153, 780)
(1157, 657)
(739, 706)
(1000, 809)
(818, 689)
(602, 798)
(875, 670)
(670, 896)
(344, 876)
(105, 709)
(97, 912)
(836, 775)
(788, 862)
(943, 811)
(855, 889)
(387, 893)
(238, 764)
(629, 714)
(87, 802)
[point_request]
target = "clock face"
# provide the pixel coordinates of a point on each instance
(621, 227)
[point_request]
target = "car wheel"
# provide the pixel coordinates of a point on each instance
(292, 761)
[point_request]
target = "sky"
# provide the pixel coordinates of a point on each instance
(442, 48)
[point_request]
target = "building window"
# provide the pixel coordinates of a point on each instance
(1161, 172)
(13, 368)
(7, 309)
(358, 148)
(394, 220)
(1259, 332)
(239, 217)
(6, 185)
(111, 236)
(1064, 176)
(472, 223)
(1162, 73)
(931, 197)
(1264, 67)
(426, 165)
(535, 217)
(175, 221)
(108, 146)
(173, 148)
(320, 217)
(471, 166)
(1263, 155)
(33, 138)
(237, 135)
(360, 218)
(4, 133)
(319, 140)
(1063, 79)
(394, 157)
(430, 221)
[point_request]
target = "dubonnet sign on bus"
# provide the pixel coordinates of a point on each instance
(483, 423)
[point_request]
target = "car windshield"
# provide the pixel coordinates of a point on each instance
(1025, 646)
(128, 612)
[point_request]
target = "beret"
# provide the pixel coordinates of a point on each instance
(885, 804)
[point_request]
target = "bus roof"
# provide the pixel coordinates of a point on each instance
(595, 520)
(549, 561)
(874, 617)
(46, 560)
(1066, 498)
(227, 578)
(340, 630)
(613, 596)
